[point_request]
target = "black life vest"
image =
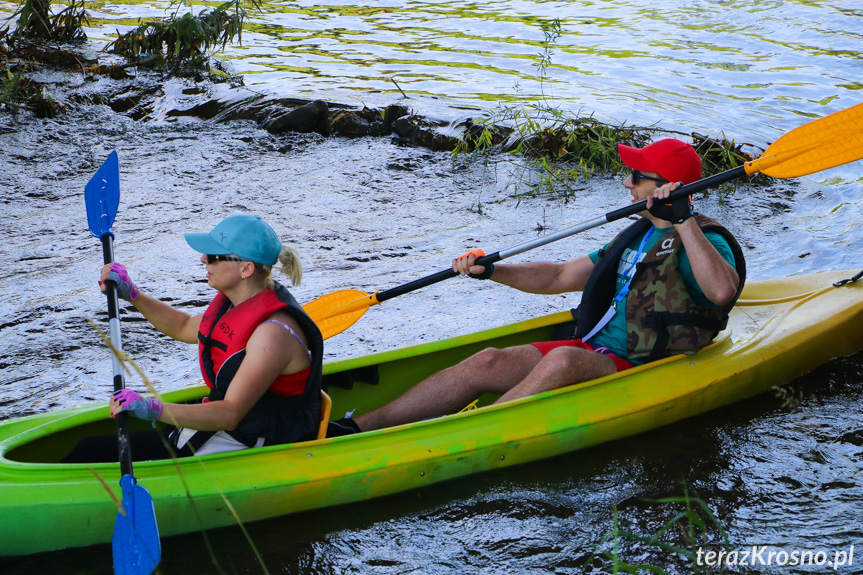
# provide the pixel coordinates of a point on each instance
(222, 338)
(662, 318)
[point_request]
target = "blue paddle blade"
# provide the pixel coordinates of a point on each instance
(136, 546)
(102, 196)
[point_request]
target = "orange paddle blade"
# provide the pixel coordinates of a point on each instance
(821, 144)
(337, 311)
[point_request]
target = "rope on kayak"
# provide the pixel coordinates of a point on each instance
(471, 406)
(848, 281)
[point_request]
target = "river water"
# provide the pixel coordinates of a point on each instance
(370, 215)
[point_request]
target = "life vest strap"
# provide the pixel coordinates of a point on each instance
(660, 320)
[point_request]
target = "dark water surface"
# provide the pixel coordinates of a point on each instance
(369, 215)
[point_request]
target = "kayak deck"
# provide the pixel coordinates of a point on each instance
(779, 330)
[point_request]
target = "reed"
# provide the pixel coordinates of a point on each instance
(130, 365)
(184, 38)
(692, 526)
(555, 150)
(36, 21)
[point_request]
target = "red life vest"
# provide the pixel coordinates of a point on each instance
(289, 410)
(227, 341)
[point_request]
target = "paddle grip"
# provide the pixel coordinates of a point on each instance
(122, 418)
(680, 192)
(432, 279)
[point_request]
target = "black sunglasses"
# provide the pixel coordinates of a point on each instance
(213, 259)
(638, 176)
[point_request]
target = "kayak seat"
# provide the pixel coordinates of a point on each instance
(566, 330)
(326, 406)
(346, 379)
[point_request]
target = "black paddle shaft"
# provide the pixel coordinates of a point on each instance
(122, 418)
(680, 192)
(433, 278)
(612, 216)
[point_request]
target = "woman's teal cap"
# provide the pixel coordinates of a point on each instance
(248, 237)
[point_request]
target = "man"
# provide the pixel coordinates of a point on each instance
(663, 286)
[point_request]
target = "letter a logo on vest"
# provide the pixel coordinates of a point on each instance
(666, 247)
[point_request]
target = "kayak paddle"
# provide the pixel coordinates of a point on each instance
(136, 545)
(821, 144)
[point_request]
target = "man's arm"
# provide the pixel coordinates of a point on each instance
(715, 276)
(534, 277)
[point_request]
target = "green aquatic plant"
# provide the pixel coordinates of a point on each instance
(11, 88)
(184, 38)
(18, 92)
(719, 155)
(560, 150)
(36, 21)
(691, 528)
(555, 150)
(35, 24)
(552, 31)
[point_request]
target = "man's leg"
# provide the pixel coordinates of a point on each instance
(491, 370)
(560, 367)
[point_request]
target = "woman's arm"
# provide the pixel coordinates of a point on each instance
(270, 352)
(168, 319)
(164, 317)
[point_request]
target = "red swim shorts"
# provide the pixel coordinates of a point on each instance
(546, 346)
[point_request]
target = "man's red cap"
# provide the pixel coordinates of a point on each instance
(672, 159)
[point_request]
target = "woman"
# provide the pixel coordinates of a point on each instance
(259, 352)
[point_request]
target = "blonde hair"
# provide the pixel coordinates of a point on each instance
(292, 267)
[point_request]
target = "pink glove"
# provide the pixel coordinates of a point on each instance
(126, 288)
(148, 408)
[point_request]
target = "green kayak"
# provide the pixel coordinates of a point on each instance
(779, 330)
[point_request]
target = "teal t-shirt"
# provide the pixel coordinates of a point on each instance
(613, 334)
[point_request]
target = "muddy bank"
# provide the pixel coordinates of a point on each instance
(210, 91)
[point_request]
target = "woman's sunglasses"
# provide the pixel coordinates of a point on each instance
(211, 259)
(638, 176)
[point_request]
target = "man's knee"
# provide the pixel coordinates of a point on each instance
(490, 363)
(577, 364)
(493, 358)
(562, 359)
(487, 358)
(497, 370)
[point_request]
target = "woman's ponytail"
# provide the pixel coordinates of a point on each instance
(291, 264)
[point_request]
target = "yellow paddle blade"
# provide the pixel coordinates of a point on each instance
(824, 143)
(337, 311)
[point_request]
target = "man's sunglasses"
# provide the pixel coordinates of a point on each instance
(638, 176)
(211, 259)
